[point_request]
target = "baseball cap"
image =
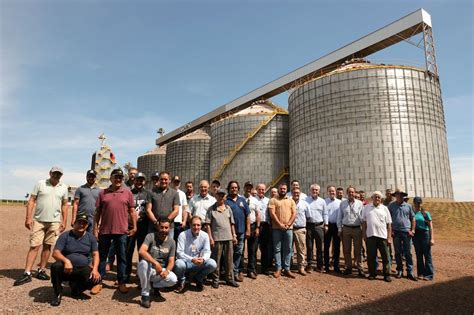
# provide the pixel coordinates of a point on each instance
(140, 175)
(417, 200)
(56, 169)
(176, 178)
(91, 172)
(117, 172)
(249, 183)
(82, 216)
(155, 175)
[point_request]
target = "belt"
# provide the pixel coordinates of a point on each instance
(351, 226)
(298, 227)
(315, 223)
(264, 223)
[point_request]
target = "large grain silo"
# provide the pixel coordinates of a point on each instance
(151, 162)
(371, 126)
(251, 144)
(188, 157)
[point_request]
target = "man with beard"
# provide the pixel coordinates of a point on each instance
(85, 199)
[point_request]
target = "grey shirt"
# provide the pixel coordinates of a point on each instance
(349, 213)
(87, 198)
(220, 223)
(163, 202)
(160, 250)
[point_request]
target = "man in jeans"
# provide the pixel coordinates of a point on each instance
(282, 210)
(403, 227)
(113, 208)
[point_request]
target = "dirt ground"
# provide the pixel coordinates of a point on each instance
(452, 290)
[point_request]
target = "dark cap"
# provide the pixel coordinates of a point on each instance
(117, 172)
(155, 175)
(82, 216)
(399, 192)
(140, 175)
(249, 183)
(176, 178)
(221, 192)
(91, 172)
(56, 169)
(417, 200)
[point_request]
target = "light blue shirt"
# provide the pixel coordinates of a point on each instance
(317, 210)
(263, 204)
(190, 246)
(302, 207)
(350, 213)
(332, 207)
(402, 214)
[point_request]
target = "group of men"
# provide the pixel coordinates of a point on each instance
(184, 237)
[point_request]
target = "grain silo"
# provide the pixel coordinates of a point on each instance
(371, 126)
(188, 157)
(151, 162)
(251, 144)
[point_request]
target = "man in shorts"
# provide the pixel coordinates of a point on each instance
(49, 199)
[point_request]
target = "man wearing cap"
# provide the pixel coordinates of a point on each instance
(376, 228)
(49, 199)
(200, 204)
(85, 199)
(72, 252)
(241, 213)
(283, 213)
(140, 194)
(252, 241)
(403, 227)
(194, 255)
(111, 223)
(179, 223)
(163, 202)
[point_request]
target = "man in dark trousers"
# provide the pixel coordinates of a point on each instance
(72, 252)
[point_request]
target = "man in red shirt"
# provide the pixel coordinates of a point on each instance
(113, 207)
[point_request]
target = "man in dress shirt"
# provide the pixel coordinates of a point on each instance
(283, 213)
(194, 255)
(252, 241)
(265, 237)
(199, 204)
(403, 227)
(316, 226)
(376, 227)
(296, 184)
(349, 228)
(332, 208)
(299, 230)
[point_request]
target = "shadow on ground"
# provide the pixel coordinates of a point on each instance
(11, 273)
(453, 296)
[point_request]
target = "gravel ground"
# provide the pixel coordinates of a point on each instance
(450, 292)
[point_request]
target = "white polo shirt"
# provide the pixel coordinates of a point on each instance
(377, 219)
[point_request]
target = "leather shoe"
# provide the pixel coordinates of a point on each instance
(301, 271)
(122, 287)
(215, 284)
(96, 289)
(239, 277)
(232, 283)
(288, 274)
(252, 275)
(180, 287)
(309, 269)
(277, 274)
(387, 279)
(411, 277)
(56, 300)
(347, 272)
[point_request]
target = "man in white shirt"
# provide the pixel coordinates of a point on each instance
(316, 227)
(199, 204)
(179, 223)
(252, 241)
(377, 231)
(194, 256)
(265, 235)
(332, 208)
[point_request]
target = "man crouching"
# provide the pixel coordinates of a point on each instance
(154, 270)
(72, 252)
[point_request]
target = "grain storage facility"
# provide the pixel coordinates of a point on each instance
(371, 126)
(151, 162)
(251, 144)
(188, 157)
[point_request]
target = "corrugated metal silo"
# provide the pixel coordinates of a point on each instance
(251, 145)
(371, 126)
(188, 157)
(151, 162)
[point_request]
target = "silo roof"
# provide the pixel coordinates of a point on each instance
(157, 150)
(195, 135)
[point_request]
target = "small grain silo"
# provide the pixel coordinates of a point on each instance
(151, 162)
(251, 144)
(188, 157)
(372, 126)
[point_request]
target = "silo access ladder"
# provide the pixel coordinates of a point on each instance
(249, 136)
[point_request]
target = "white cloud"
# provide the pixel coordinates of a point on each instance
(462, 170)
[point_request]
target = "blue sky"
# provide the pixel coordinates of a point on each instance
(71, 70)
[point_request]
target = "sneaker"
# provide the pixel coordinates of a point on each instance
(56, 300)
(145, 301)
(387, 279)
(25, 278)
(96, 289)
(122, 287)
(180, 287)
(41, 275)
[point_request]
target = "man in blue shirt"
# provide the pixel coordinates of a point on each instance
(403, 226)
(241, 212)
(72, 260)
(194, 255)
(85, 198)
